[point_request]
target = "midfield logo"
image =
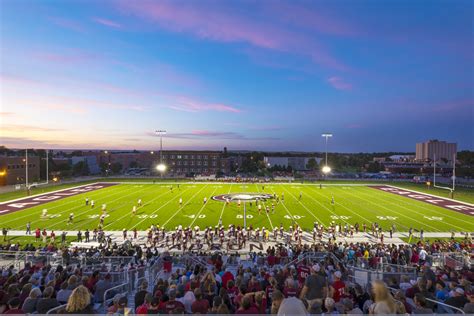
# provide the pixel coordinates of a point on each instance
(242, 197)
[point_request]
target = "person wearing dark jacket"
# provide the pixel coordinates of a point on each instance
(47, 302)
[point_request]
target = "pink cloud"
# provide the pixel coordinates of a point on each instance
(189, 105)
(209, 23)
(108, 23)
(339, 83)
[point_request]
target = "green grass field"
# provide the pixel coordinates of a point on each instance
(352, 204)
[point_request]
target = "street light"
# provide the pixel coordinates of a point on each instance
(161, 167)
(326, 169)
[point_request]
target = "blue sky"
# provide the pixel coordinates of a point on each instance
(265, 75)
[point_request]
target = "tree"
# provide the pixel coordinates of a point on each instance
(80, 169)
(312, 164)
(116, 167)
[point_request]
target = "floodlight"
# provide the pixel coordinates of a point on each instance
(161, 167)
(326, 169)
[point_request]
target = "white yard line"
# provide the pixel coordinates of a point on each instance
(223, 207)
(411, 209)
(392, 211)
(410, 201)
(307, 209)
(202, 208)
(291, 215)
(336, 203)
(192, 197)
(97, 208)
(126, 213)
(59, 205)
(264, 204)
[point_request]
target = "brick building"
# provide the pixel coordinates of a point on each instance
(12, 169)
(182, 162)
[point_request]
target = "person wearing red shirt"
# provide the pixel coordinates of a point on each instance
(14, 307)
(200, 305)
(246, 306)
(253, 285)
(37, 234)
(303, 272)
(337, 286)
(290, 290)
(226, 277)
(172, 304)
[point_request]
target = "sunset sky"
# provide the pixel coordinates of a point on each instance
(265, 75)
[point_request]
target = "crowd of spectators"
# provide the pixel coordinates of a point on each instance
(270, 282)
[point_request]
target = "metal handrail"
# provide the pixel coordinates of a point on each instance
(435, 301)
(125, 285)
(54, 309)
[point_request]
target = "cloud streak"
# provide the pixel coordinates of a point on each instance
(218, 135)
(339, 84)
(185, 104)
(207, 22)
(107, 22)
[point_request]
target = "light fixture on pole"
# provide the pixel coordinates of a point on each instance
(326, 169)
(161, 167)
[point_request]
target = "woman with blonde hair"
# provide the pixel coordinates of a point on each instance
(384, 302)
(79, 302)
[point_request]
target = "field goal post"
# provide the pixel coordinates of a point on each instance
(450, 189)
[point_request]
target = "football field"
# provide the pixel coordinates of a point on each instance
(161, 206)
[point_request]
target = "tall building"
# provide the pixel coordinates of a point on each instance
(427, 151)
(182, 162)
(12, 169)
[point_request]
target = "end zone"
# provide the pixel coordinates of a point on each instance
(30, 201)
(453, 205)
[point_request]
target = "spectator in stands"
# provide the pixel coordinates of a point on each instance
(440, 291)
(100, 287)
(329, 304)
(47, 302)
(143, 308)
(246, 306)
(154, 306)
(349, 307)
(64, 293)
(292, 306)
(14, 307)
(315, 287)
(400, 297)
(200, 305)
(30, 304)
(123, 308)
(25, 292)
(384, 302)
(420, 305)
(115, 304)
(277, 298)
(458, 300)
(337, 287)
(79, 302)
(469, 307)
(141, 293)
(171, 304)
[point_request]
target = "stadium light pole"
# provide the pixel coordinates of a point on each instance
(161, 167)
(26, 171)
(326, 168)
